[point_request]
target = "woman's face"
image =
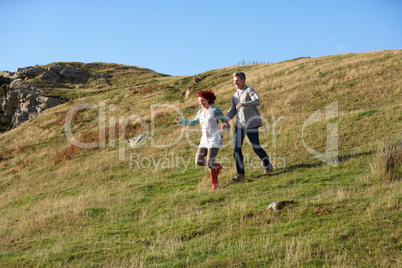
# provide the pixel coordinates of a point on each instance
(203, 102)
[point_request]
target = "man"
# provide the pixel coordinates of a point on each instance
(244, 104)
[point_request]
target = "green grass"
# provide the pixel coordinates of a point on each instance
(156, 208)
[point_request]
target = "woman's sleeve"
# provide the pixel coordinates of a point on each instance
(190, 123)
(220, 116)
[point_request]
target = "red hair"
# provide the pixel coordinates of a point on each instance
(208, 95)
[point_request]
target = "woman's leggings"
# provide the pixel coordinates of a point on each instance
(209, 154)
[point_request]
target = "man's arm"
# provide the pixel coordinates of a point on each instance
(232, 111)
(255, 99)
(220, 116)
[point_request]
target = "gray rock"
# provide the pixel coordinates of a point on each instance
(96, 76)
(4, 120)
(74, 74)
(25, 101)
(10, 104)
(35, 88)
(23, 104)
(16, 83)
(49, 76)
(52, 74)
(6, 74)
(34, 72)
(19, 118)
(29, 72)
(48, 101)
(277, 205)
(56, 68)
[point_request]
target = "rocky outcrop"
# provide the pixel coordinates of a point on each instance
(16, 83)
(193, 84)
(49, 76)
(21, 101)
(56, 73)
(23, 104)
(29, 72)
(6, 75)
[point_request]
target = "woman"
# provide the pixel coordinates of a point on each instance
(211, 139)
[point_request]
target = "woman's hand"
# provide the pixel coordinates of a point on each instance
(177, 119)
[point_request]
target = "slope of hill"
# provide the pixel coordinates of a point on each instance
(74, 193)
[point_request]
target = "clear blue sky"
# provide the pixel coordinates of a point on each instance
(187, 37)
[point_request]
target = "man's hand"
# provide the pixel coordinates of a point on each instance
(224, 126)
(240, 105)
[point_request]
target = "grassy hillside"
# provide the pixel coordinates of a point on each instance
(150, 206)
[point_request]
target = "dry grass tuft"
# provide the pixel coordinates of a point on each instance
(147, 89)
(387, 162)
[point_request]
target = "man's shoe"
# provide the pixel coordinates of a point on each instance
(239, 177)
(268, 170)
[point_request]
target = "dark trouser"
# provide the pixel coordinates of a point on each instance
(252, 134)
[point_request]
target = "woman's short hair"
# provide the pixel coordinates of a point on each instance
(241, 75)
(208, 95)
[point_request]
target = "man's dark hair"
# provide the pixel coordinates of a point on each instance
(241, 75)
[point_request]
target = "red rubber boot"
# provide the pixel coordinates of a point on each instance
(214, 176)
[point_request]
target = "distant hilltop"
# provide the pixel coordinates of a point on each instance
(31, 90)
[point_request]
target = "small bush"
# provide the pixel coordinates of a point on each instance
(91, 137)
(66, 154)
(162, 119)
(3, 90)
(147, 89)
(387, 162)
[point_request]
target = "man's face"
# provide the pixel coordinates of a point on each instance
(238, 82)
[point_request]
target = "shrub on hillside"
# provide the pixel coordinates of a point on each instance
(387, 162)
(3, 90)
(66, 154)
(94, 137)
(72, 150)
